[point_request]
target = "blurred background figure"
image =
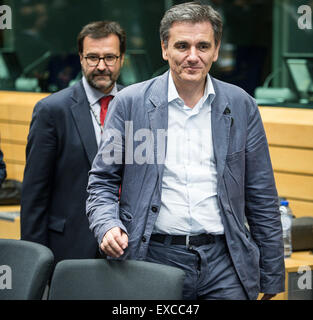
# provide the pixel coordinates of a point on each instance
(3, 172)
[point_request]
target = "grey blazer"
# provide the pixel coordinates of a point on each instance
(246, 186)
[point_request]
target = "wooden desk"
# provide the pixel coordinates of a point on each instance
(303, 255)
(16, 110)
(293, 265)
(289, 132)
(10, 223)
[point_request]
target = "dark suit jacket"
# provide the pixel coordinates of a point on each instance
(60, 150)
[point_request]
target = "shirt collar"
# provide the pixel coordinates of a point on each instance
(208, 90)
(93, 95)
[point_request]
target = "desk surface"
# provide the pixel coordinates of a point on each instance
(292, 264)
(11, 208)
(10, 222)
(299, 259)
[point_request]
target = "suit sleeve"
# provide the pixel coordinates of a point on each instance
(40, 161)
(106, 175)
(262, 209)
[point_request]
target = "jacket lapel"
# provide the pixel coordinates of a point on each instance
(221, 122)
(83, 121)
(158, 117)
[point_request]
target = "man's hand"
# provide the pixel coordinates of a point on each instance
(267, 296)
(114, 242)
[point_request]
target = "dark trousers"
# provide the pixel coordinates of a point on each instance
(210, 273)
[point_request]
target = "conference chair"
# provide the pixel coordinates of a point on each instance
(25, 268)
(100, 279)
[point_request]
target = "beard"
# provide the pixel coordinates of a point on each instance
(102, 86)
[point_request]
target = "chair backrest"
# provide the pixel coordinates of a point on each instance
(100, 279)
(25, 269)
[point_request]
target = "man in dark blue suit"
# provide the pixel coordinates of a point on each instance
(64, 136)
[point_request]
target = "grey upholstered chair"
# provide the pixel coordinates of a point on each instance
(100, 279)
(25, 269)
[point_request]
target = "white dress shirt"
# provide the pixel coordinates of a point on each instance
(93, 97)
(189, 186)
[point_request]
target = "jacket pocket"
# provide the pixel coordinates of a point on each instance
(56, 224)
(255, 249)
(235, 156)
(234, 175)
(235, 163)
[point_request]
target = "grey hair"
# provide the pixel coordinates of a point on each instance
(191, 12)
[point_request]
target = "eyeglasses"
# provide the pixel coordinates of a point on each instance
(109, 60)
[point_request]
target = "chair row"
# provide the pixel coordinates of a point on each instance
(27, 267)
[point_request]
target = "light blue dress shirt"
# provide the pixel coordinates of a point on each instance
(93, 97)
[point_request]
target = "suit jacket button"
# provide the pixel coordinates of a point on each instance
(144, 239)
(154, 209)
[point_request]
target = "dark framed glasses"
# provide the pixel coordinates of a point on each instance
(94, 60)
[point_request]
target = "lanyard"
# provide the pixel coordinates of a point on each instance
(96, 118)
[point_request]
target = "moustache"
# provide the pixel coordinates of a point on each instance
(104, 73)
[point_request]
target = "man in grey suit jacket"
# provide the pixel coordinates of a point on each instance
(191, 154)
(63, 140)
